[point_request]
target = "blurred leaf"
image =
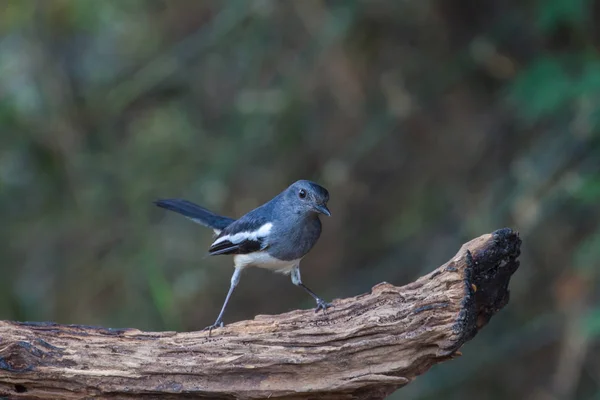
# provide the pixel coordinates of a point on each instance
(592, 323)
(553, 13)
(588, 87)
(589, 192)
(542, 89)
(589, 83)
(15, 13)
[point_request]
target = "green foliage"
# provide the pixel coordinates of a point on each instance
(589, 191)
(542, 90)
(557, 87)
(553, 13)
(592, 323)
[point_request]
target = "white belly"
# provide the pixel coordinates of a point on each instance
(262, 259)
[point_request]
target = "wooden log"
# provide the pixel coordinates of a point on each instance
(364, 347)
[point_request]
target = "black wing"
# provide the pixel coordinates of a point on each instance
(240, 237)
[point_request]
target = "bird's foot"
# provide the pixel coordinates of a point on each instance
(217, 324)
(322, 305)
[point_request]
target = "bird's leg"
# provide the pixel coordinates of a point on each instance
(235, 279)
(297, 280)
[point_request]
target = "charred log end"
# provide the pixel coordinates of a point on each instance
(486, 277)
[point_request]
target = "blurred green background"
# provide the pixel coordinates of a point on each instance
(430, 122)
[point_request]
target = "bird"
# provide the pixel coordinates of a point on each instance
(275, 236)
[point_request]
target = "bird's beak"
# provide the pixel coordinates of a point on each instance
(322, 208)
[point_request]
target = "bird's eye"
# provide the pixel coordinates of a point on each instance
(302, 193)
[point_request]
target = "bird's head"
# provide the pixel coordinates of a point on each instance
(307, 196)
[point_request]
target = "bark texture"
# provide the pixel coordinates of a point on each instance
(364, 347)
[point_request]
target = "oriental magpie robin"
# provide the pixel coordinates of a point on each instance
(276, 235)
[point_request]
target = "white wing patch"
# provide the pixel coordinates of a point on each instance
(242, 236)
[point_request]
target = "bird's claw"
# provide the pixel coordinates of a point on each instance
(217, 324)
(322, 305)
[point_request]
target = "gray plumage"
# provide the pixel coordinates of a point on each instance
(276, 235)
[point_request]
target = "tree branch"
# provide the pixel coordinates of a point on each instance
(365, 347)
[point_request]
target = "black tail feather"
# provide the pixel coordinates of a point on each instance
(196, 213)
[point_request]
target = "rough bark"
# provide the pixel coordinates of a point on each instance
(365, 347)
